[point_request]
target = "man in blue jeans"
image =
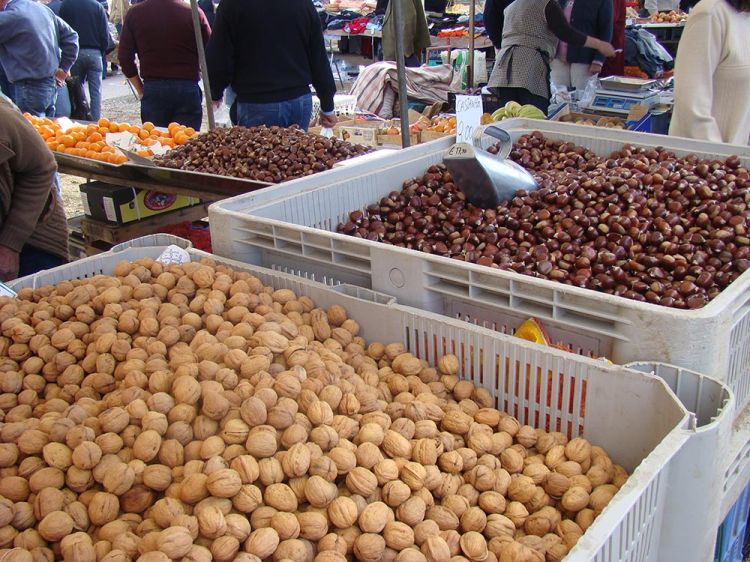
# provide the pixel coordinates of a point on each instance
(160, 33)
(89, 20)
(37, 50)
(270, 53)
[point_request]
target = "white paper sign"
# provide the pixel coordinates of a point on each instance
(173, 254)
(120, 140)
(468, 117)
(158, 149)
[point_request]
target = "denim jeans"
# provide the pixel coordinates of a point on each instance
(32, 260)
(5, 86)
(282, 114)
(88, 68)
(165, 101)
(62, 105)
(36, 96)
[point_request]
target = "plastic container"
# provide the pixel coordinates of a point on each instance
(343, 105)
(293, 226)
(733, 530)
(547, 387)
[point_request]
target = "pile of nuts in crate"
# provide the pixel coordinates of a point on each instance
(641, 223)
(189, 412)
(273, 155)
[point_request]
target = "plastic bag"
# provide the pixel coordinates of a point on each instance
(221, 116)
(587, 96)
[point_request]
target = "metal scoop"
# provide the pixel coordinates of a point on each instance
(487, 180)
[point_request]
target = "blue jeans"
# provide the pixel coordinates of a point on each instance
(62, 105)
(88, 68)
(5, 86)
(165, 101)
(32, 260)
(36, 96)
(282, 114)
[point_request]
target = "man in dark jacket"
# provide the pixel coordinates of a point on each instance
(89, 20)
(270, 53)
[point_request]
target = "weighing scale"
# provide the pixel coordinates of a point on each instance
(619, 94)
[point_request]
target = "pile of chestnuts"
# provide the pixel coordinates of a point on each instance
(640, 223)
(268, 154)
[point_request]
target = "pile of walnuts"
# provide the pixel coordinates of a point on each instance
(187, 412)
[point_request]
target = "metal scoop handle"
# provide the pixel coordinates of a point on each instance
(497, 133)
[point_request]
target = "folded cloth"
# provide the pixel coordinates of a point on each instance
(357, 27)
(429, 84)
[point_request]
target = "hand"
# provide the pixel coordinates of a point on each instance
(8, 264)
(606, 49)
(595, 68)
(328, 121)
(60, 76)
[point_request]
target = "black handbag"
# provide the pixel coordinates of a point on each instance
(79, 105)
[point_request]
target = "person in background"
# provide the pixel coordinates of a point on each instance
(531, 30)
(209, 9)
(33, 229)
(160, 33)
(615, 66)
(574, 65)
(89, 20)
(270, 53)
(416, 33)
(117, 13)
(53, 5)
(712, 74)
(656, 6)
(37, 50)
(493, 20)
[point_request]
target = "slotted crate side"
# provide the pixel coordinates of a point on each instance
(737, 472)
(294, 229)
(568, 392)
(700, 463)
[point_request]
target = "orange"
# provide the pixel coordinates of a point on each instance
(133, 129)
(60, 147)
(180, 138)
(149, 126)
(103, 122)
(114, 128)
(190, 132)
(91, 154)
(104, 130)
(143, 134)
(95, 137)
(82, 144)
(67, 140)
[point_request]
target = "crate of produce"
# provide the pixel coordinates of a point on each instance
(295, 226)
(544, 387)
(343, 105)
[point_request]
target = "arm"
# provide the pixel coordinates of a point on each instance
(604, 27)
(698, 57)
(220, 52)
(68, 40)
(33, 174)
(651, 6)
(559, 25)
(494, 18)
(103, 31)
(322, 76)
(205, 27)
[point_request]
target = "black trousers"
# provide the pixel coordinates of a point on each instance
(522, 96)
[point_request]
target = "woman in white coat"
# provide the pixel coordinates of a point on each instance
(712, 74)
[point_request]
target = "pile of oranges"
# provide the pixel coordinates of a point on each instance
(88, 141)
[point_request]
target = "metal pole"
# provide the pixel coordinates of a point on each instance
(401, 66)
(203, 65)
(470, 69)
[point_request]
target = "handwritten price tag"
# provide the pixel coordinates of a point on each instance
(468, 117)
(120, 140)
(173, 255)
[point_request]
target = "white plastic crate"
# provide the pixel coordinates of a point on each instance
(294, 226)
(575, 394)
(343, 106)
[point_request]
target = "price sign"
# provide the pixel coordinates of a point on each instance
(468, 117)
(173, 255)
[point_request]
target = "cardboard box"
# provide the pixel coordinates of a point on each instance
(122, 205)
(395, 140)
(428, 136)
(639, 118)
